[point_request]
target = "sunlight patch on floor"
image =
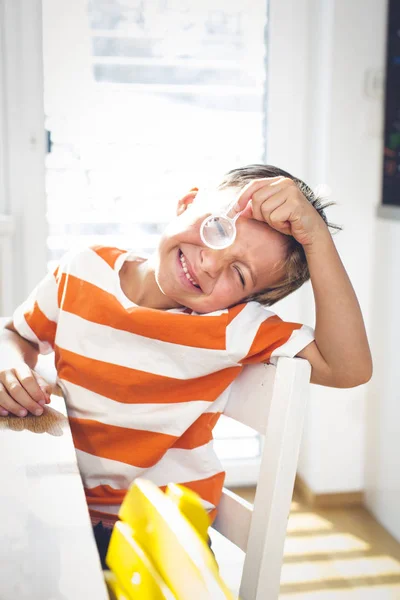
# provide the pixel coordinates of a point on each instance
(323, 544)
(369, 566)
(306, 521)
(384, 592)
(303, 572)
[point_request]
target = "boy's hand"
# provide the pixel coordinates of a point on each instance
(22, 391)
(279, 202)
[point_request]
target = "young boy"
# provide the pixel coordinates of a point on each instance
(146, 349)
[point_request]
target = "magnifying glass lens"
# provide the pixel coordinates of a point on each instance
(218, 232)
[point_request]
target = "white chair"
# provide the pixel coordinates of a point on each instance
(271, 400)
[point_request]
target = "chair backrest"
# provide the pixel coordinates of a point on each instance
(271, 400)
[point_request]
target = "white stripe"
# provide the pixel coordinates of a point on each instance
(133, 351)
(47, 297)
(168, 418)
(178, 311)
(220, 403)
(299, 339)
(104, 471)
(87, 265)
(215, 313)
(177, 466)
(242, 330)
(112, 509)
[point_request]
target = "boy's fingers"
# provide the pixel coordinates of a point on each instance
(46, 388)
(264, 204)
(29, 382)
(247, 192)
(279, 220)
(18, 394)
(8, 405)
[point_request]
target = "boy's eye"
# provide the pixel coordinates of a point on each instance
(242, 279)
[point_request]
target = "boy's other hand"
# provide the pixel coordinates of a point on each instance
(279, 202)
(23, 391)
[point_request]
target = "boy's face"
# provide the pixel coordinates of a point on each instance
(190, 274)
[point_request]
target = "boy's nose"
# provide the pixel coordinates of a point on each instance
(212, 261)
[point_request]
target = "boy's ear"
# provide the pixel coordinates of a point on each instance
(186, 201)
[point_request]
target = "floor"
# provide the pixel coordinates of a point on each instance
(337, 554)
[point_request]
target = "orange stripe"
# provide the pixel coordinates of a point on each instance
(271, 334)
(131, 386)
(108, 519)
(98, 306)
(131, 446)
(110, 255)
(104, 494)
(199, 433)
(43, 328)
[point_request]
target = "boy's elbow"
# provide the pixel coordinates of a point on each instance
(366, 375)
(367, 370)
(344, 378)
(356, 378)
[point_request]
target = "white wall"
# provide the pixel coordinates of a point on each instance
(383, 401)
(348, 157)
(352, 437)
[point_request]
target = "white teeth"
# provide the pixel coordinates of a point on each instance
(185, 269)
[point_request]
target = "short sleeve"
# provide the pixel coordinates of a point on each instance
(36, 318)
(256, 335)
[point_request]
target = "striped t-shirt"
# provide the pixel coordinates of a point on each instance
(144, 387)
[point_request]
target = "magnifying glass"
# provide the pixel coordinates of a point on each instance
(218, 231)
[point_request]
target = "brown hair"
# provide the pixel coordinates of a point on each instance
(295, 265)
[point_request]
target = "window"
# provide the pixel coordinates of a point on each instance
(171, 94)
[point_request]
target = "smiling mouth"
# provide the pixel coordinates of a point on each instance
(186, 271)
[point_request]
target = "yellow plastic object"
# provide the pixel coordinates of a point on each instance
(177, 550)
(190, 506)
(134, 573)
(115, 591)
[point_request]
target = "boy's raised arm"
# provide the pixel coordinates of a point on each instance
(340, 355)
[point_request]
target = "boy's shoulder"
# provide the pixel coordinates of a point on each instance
(248, 311)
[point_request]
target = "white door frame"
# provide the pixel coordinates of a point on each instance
(22, 139)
